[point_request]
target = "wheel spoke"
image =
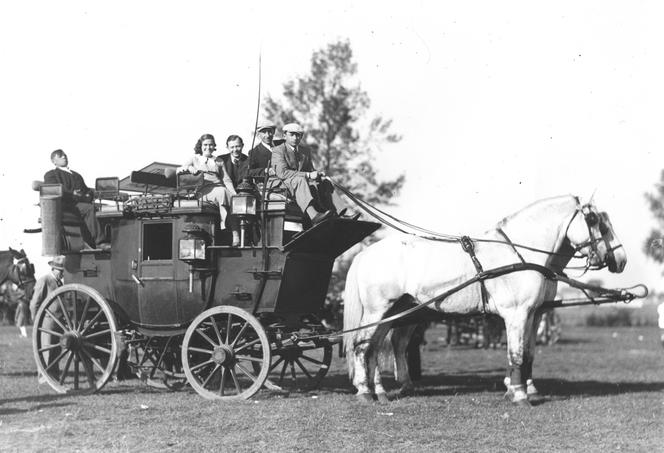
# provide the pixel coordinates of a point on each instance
(274, 365)
(249, 358)
(210, 375)
(312, 360)
(208, 339)
(92, 322)
(96, 347)
(202, 351)
(223, 381)
(304, 370)
(50, 332)
(239, 334)
(65, 313)
(55, 318)
(84, 313)
(246, 345)
(96, 334)
(94, 361)
(235, 380)
(292, 368)
(228, 327)
(216, 329)
(247, 373)
(56, 360)
(283, 371)
(89, 372)
(74, 314)
(76, 362)
(47, 348)
(65, 370)
(201, 365)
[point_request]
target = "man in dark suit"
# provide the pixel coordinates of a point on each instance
(76, 199)
(235, 163)
(261, 155)
(293, 165)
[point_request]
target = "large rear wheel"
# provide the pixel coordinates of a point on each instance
(74, 341)
(226, 354)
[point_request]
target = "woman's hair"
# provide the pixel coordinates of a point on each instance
(234, 137)
(198, 149)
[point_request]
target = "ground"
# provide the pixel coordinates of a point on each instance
(603, 388)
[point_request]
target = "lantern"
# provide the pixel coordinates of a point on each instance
(243, 205)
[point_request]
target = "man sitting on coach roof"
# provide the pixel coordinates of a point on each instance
(292, 164)
(76, 199)
(260, 155)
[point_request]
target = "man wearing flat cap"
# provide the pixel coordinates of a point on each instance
(261, 155)
(293, 165)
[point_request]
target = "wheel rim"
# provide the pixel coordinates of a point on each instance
(300, 366)
(74, 341)
(226, 354)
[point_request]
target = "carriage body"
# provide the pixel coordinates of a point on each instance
(158, 294)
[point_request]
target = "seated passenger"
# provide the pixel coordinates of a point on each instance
(260, 156)
(292, 164)
(76, 199)
(217, 186)
(235, 163)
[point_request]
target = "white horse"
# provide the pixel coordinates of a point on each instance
(416, 270)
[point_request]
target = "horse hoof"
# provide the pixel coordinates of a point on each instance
(509, 394)
(406, 390)
(382, 398)
(364, 398)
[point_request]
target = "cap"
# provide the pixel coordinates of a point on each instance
(293, 127)
(265, 125)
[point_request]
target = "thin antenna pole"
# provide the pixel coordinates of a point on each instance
(258, 104)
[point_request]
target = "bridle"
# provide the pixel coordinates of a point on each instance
(24, 272)
(592, 221)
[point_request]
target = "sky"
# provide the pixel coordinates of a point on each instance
(499, 103)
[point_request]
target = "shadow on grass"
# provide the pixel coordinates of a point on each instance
(14, 410)
(492, 381)
(20, 374)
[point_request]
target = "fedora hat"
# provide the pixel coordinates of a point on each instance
(58, 262)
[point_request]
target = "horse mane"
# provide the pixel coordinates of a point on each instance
(505, 220)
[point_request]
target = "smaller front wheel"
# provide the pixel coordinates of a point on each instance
(226, 354)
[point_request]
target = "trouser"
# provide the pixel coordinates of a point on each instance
(21, 318)
(219, 196)
(321, 194)
(91, 231)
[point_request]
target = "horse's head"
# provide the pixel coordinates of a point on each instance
(24, 272)
(591, 234)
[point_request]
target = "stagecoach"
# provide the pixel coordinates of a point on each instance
(172, 297)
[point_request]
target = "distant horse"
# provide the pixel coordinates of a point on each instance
(21, 272)
(415, 270)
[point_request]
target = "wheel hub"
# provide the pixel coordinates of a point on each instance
(70, 341)
(223, 355)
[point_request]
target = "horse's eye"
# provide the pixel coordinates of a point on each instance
(592, 219)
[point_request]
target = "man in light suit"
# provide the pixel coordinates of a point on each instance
(292, 164)
(76, 199)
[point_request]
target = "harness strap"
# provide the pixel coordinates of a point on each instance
(468, 247)
(507, 239)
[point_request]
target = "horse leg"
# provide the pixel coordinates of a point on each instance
(401, 337)
(372, 361)
(517, 323)
(526, 367)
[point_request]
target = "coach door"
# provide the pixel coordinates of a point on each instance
(156, 290)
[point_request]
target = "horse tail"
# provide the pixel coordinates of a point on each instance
(353, 312)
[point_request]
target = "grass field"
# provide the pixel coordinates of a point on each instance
(604, 391)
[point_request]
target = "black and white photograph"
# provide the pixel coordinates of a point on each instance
(331, 226)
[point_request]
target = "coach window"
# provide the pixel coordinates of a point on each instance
(157, 241)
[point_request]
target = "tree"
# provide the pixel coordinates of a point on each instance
(330, 103)
(654, 243)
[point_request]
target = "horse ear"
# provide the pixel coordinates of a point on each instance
(592, 196)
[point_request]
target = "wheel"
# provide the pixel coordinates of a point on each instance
(300, 366)
(226, 354)
(151, 354)
(74, 341)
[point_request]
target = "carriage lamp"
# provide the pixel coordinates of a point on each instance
(243, 205)
(191, 249)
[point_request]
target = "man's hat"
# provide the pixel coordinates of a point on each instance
(58, 262)
(265, 125)
(293, 127)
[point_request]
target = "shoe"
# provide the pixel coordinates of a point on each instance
(356, 216)
(342, 212)
(318, 218)
(104, 246)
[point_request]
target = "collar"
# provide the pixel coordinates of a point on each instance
(65, 169)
